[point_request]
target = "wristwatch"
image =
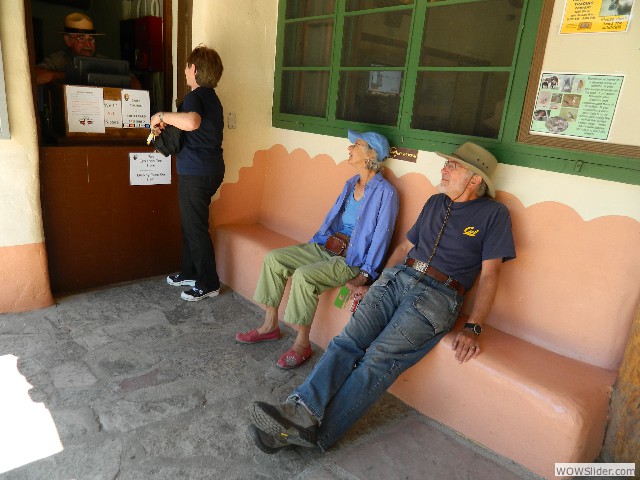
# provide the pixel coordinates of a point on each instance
(474, 327)
(366, 276)
(161, 116)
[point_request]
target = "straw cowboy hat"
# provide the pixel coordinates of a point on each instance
(79, 23)
(476, 159)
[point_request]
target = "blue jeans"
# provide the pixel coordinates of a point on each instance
(401, 318)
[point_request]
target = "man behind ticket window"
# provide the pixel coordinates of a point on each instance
(80, 39)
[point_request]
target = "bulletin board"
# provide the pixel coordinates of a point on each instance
(574, 57)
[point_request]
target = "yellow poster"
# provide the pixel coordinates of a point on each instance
(596, 16)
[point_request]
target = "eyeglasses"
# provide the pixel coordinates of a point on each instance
(448, 165)
(83, 39)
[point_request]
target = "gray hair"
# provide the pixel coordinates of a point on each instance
(373, 163)
(481, 189)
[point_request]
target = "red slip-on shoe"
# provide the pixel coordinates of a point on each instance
(252, 336)
(293, 359)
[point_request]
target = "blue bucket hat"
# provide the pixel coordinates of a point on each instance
(376, 141)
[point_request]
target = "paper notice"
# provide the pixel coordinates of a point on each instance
(135, 109)
(149, 169)
(85, 109)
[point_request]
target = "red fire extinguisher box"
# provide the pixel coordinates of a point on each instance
(148, 33)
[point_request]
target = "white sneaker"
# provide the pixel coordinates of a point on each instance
(195, 294)
(179, 280)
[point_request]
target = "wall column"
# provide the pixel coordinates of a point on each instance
(622, 440)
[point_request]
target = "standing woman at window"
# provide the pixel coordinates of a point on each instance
(200, 167)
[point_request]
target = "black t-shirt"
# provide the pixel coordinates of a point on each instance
(476, 230)
(201, 153)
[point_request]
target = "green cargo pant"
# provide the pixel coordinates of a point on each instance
(313, 270)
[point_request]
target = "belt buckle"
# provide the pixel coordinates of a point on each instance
(420, 266)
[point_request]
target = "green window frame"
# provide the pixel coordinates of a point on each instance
(332, 106)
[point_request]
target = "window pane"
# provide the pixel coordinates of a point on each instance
(366, 97)
(353, 5)
(308, 44)
(376, 39)
(468, 103)
(309, 8)
(471, 34)
(304, 93)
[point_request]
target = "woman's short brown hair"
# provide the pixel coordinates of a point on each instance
(208, 66)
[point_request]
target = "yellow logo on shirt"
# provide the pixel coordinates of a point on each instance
(469, 231)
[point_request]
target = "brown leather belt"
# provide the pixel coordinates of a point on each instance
(446, 280)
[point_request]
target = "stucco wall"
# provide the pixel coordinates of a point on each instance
(19, 187)
(245, 38)
(244, 34)
(23, 266)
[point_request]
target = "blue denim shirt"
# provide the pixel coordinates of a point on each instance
(375, 221)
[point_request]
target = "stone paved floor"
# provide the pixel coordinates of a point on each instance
(130, 382)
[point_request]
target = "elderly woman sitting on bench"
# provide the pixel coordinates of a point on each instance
(349, 248)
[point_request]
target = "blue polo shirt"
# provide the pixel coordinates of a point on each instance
(375, 221)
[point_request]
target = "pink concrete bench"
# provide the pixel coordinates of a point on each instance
(539, 392)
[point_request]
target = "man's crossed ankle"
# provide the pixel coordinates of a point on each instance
(282, 425)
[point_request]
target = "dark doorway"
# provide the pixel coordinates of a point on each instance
(99, 229)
